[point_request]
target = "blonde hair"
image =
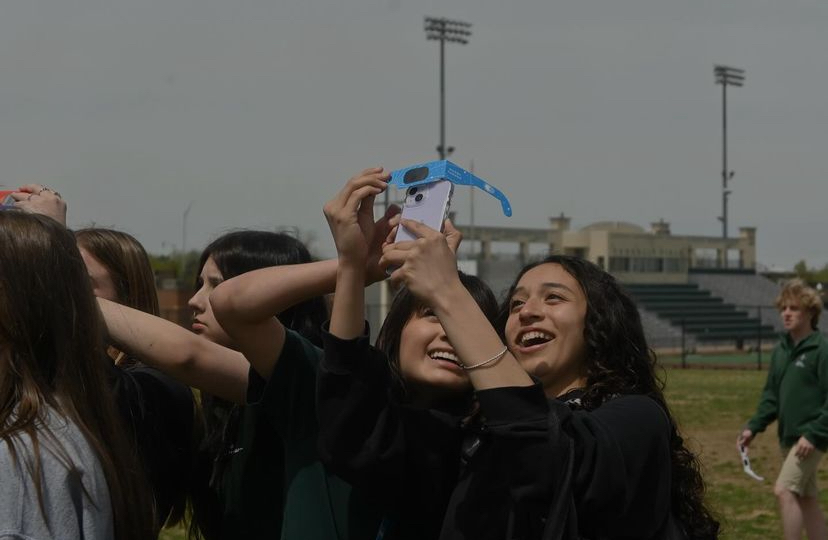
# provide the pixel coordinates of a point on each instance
(796, 292)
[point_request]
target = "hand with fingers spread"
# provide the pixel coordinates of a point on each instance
(39, 199)
(350, 216)
(427, 264)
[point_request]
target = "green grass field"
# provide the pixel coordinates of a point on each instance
(711, 405)
(735, 360)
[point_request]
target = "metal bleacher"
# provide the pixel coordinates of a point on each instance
(698, 313)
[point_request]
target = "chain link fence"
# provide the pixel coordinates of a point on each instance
(743, 339)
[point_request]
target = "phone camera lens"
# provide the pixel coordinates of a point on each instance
(419, 197)
(412, 191)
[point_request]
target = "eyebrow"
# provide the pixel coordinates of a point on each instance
(547, 285)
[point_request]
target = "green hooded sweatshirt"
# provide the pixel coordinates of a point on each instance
(796, 391)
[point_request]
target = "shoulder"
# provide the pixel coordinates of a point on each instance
(293, 376)
(298, 346)
(822, 343)
(781, 348)
(350, 357)
(67, 466)
(149, 379)
(149, 399)
(779, 355)
(69, 443)
(627, 405)
(299, 357)
(635, 417)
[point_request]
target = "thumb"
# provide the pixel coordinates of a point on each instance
(386, 222)
(453, 236)
(392, 211)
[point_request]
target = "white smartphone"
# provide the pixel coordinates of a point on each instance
(427, 203)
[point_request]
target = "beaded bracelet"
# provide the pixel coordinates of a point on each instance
(494, 358)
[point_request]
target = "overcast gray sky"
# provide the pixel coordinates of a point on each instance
(259, 110)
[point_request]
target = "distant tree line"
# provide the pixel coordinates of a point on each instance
(183, 267)
(816, 277)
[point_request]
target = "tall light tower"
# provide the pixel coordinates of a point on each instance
(442, 30)
(726, 76)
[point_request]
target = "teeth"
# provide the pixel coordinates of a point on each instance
(534, 335)
(444, 355)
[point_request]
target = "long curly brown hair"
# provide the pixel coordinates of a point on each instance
(619, 361)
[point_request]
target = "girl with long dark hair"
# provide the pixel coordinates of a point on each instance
(66, 468)
(574, 437)
(243, 458)
(158, 412)
(390, 415)
(258, 471)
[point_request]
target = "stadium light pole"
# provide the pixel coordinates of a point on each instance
(726, 76)
(442, 30)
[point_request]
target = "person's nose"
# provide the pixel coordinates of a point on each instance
(530, 311)
(197, 301)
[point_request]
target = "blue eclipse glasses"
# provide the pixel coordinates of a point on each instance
(425, 173)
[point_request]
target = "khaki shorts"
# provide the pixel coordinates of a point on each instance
(799, 475)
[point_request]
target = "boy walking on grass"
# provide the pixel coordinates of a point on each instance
(795, 394)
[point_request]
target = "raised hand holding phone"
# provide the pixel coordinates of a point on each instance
(428, 263)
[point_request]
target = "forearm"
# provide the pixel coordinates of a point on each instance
(348, 311)
(476, 341)
(191, 359)
(261, 294)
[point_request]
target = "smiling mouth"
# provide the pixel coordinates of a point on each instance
(446, 357)
(534, 338)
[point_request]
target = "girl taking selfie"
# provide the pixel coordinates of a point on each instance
(574, 438)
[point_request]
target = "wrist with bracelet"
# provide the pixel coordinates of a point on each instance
(494, 358)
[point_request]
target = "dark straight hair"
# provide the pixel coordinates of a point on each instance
(404, 306)
(619, 361)
(242, 251)
(234, 254)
